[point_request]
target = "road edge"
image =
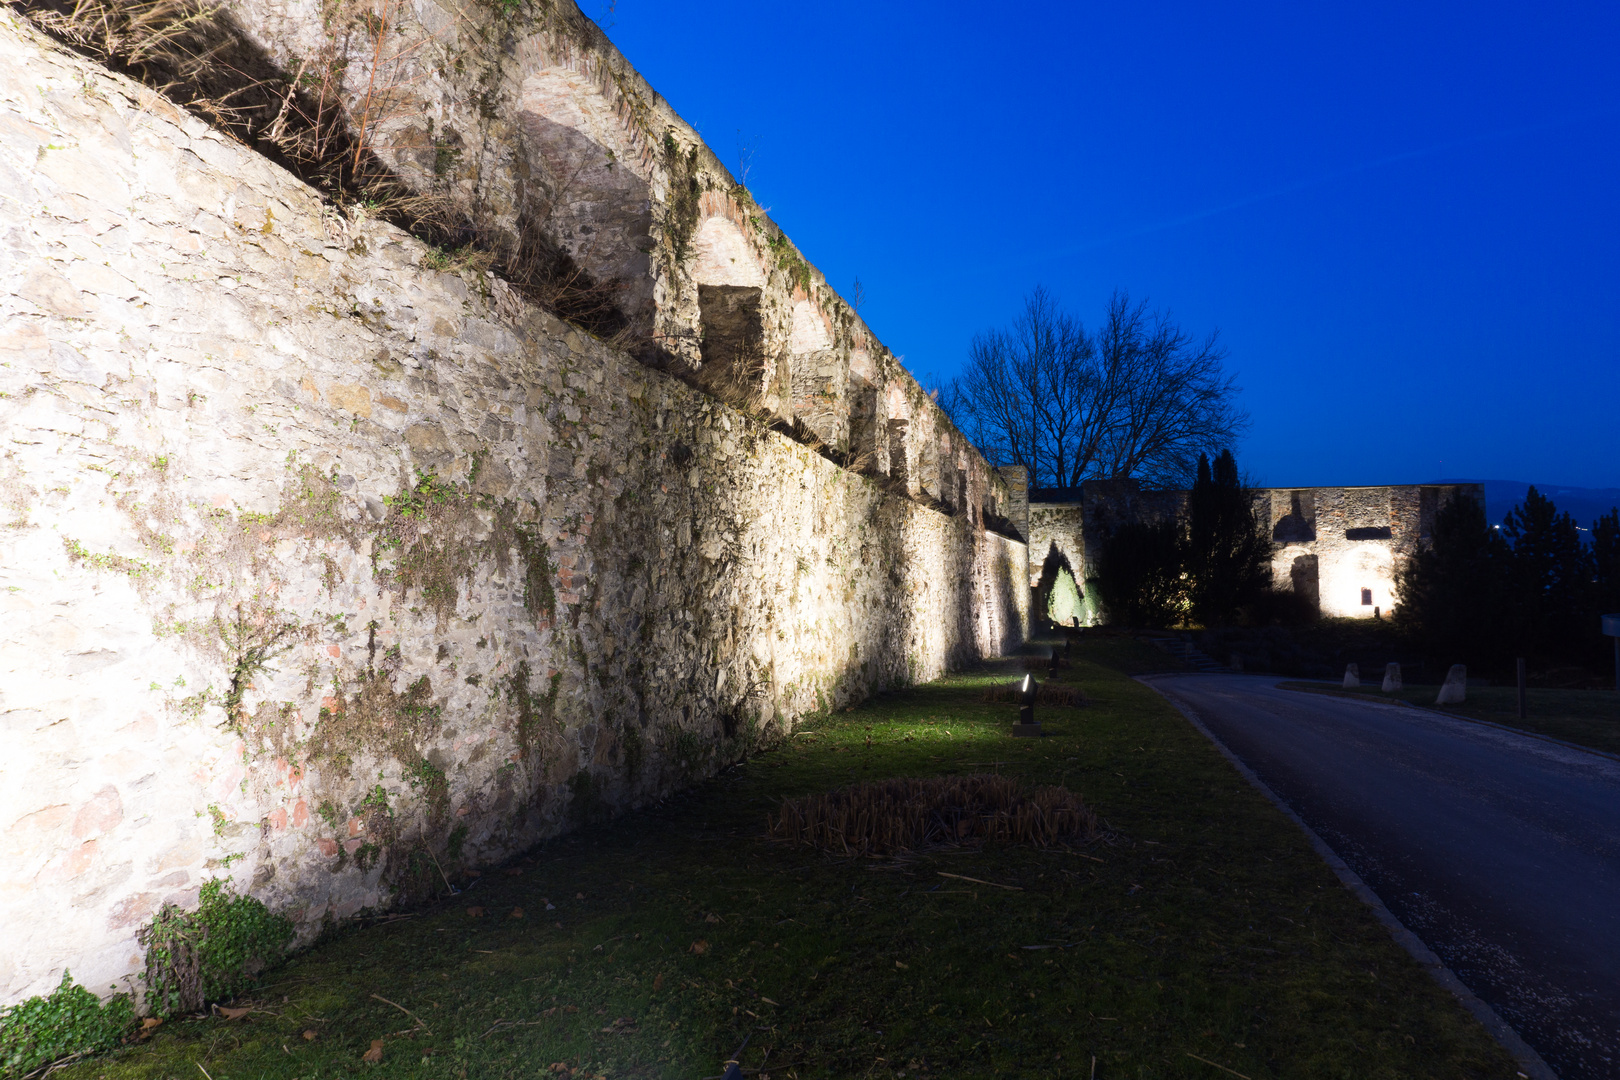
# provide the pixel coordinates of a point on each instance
(1552, 739)
(1530, 1062)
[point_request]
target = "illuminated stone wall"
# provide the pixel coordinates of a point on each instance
(1340, 545)
(528, 120)
(321, 569)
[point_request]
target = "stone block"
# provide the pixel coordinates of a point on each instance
(1454, 691)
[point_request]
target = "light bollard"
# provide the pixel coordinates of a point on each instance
(1027, 725)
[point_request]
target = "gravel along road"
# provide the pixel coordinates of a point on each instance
(1499, 850)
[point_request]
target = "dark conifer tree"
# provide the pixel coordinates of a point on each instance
(1228, 557)
(1452, 593)
(1550, 583)
(1606, 562)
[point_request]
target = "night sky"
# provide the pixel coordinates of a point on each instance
(1404, 219)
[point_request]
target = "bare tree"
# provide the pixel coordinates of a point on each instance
(1142, 399)
(1171, 398)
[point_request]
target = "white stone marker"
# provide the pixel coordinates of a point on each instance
(1352, 676)
(1455, 690)
(1392, 677)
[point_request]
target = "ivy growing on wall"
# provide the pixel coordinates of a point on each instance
(69, 1022)
(196, 957)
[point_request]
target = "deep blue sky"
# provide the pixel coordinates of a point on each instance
(1404, 218)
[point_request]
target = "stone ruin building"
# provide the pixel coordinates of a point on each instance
(1338, 546)
(330, 556)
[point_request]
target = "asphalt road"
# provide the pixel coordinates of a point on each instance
(1500, 851)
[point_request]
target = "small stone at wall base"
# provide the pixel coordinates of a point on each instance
(1455, 689)
(1352, 676)
(1392, 677)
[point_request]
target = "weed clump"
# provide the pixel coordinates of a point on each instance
(211, 954)
(69, 1022)
(905, 813)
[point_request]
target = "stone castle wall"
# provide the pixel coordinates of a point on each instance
(323, 570)
(525, 119)
(1341, 546)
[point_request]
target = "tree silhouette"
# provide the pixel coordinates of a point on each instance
(1227, 558)
(1451, 594)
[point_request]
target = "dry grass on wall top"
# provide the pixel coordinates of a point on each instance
(904, 814)
(325, 120)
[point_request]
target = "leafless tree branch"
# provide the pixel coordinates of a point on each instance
(1142, 398)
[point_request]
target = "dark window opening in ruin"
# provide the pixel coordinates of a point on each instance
(897, 451)
(1298, 525)
(961, 489)
(1304, 576)
(1375, 532)
(1366, 598)
(733, 334)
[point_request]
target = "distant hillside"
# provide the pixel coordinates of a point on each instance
(1583, 504)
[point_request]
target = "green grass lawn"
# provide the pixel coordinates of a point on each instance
(1585, 717)
(1201, 938)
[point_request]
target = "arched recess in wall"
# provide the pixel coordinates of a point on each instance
(731, 289)
(947, 472)
(583, 196)
(898, 410)
(820, 376)
(1296, 567)
(920, 440)
(861, 394)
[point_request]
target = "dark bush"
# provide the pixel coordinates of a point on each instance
(1139, 575)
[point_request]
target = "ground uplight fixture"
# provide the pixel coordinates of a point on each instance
(1027, 724)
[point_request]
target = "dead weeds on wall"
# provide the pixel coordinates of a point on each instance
(439, 532)
(904, 814)
(325, 121)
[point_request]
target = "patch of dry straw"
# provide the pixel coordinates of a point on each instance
(903, 814)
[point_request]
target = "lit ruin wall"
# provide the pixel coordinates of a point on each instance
(1340, 546)
(523, 117)
(321, 569)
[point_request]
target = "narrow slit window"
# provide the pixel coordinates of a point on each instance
(1366, 598)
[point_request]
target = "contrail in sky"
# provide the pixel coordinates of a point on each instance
(1328, 177)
